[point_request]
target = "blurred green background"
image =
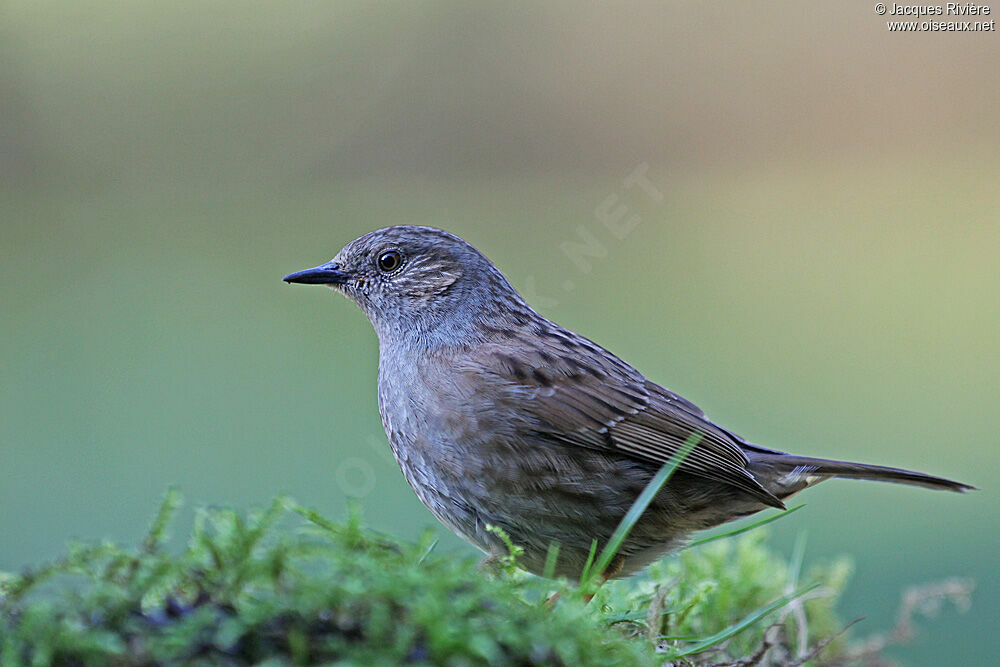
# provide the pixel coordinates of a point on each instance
(820, 274)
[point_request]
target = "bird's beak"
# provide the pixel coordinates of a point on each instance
(324, 274)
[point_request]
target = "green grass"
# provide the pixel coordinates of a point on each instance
(290, 586)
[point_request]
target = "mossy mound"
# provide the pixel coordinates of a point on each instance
(246, 590)
(287, 586)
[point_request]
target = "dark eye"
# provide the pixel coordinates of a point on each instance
(389, 261)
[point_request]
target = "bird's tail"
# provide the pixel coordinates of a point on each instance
(786, 474)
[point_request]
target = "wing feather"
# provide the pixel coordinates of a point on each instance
(592, 400)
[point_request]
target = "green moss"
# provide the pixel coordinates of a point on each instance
(289, 586)
(704, 592)
(247, 589)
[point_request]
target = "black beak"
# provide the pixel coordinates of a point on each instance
(324, 274)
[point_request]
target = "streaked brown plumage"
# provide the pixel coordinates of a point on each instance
(498, 416)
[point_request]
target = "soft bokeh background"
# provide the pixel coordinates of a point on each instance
(821, 273)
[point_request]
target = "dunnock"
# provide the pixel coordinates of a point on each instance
(498, 416)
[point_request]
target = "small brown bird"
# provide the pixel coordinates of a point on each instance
(498, 416)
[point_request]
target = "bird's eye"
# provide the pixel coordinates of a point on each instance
(389, 261)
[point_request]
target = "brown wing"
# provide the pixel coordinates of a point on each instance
(590, 398)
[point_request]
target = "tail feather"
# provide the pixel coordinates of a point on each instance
(790, 474)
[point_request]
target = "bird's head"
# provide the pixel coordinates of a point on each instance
(415, 280)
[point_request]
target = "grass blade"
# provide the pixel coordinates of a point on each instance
(585, 576)
(551, 557)
(739, 626)
(641, 503)
(744, 529)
